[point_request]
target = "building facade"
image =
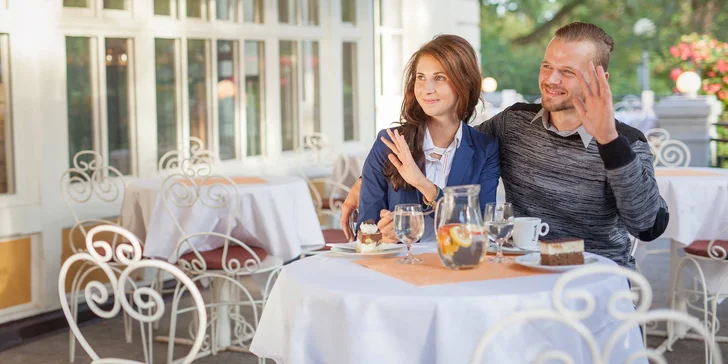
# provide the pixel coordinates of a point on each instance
(133, 79)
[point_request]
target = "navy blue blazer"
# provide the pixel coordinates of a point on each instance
(476, 161)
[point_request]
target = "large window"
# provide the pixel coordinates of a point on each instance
(198, 88)
(89, 128)
(348, 11)
(227, 92)
(7, 180)
(304, 12)
(349, 70)
(299, 115)
(79, 95)
(220, 10)
(165, 67)
(254, 95)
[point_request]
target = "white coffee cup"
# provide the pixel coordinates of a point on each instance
(526, 231)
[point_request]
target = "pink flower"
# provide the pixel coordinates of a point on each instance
(712, 88)
(722, 66)
(711, 74)
(725, 79)
(675, 73)
(674, 51)
(722, 95)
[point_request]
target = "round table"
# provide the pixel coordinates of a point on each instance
(276, 213)
(326, 309)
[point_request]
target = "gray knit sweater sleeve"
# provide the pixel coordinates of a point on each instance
(631, 176)
(494, 126)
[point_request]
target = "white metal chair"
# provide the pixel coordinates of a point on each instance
(148, 303)
(700, 295)
(571, 318)
(668, 152)
(90, 182)
(194, 187)
(195, 153)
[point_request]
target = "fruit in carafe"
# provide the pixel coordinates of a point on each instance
(451, 237)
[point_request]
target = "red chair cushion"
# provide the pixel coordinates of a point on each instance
(333, 236)
(213, 258)
(326, 202)
(700, 247)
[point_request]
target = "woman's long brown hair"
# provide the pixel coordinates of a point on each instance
(460, 64)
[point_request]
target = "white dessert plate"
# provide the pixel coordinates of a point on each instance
(533, 260)
(349, 249)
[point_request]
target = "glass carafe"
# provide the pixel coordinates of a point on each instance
(459, 225)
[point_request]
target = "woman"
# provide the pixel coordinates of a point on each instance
(433, 147)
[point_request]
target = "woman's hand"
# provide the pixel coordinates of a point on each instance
(401, 158)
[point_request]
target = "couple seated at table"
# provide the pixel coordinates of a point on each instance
(566, 160)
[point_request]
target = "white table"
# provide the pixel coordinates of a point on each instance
(325, 309)
(277, 216)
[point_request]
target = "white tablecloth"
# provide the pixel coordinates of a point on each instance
(325, 309)
(278, 216)
(698, 204)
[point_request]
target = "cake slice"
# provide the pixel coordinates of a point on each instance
(369, 237)
(566, 251)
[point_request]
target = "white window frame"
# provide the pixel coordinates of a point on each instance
(98, 93)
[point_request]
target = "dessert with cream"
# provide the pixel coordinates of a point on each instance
(369, 237)
(567, 251)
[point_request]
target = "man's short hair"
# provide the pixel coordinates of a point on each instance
(603, 42)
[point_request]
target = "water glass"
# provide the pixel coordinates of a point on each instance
(498, 221)
(409, 226)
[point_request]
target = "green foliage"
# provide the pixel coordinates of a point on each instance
(515, 65)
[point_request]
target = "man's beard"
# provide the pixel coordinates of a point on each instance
(551, 106)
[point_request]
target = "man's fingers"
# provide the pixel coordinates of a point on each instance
(580, 108)
(583, 82)
(594, 79)
(604, 88)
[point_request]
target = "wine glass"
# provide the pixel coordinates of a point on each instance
(498, 219)
(409, 226)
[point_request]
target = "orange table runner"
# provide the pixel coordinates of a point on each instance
(432, 272)
(685, 173)
(236, 180)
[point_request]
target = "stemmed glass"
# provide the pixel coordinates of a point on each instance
(498, 219)
(409, 226)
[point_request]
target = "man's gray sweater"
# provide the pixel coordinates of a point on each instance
(600, 193)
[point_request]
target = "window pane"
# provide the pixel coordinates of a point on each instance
(348, 11)
(6, 140)
(194, 8)
(163, 7)
(75, 4)
(78, 93)
(310, 12)
(118, 80)
(287, 10)
(115, 4)
(227, 86)
(253, 11)
(197, 88)
(350, 88)
(289, 95)
(311, 87)
(166, 73)
(225, 10)
(254, 95)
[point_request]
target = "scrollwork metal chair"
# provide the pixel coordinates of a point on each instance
(90, 182)
(572, 318)
(195, 187)
(668, 152)
(196, 154)
(700, 295)
(148, 305)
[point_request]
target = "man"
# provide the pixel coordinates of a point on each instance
(567, 160)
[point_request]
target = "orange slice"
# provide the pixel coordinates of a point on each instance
(461, 236)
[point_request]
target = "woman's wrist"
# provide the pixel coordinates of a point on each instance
(428, 190)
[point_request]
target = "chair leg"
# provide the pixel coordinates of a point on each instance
(173, 323)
